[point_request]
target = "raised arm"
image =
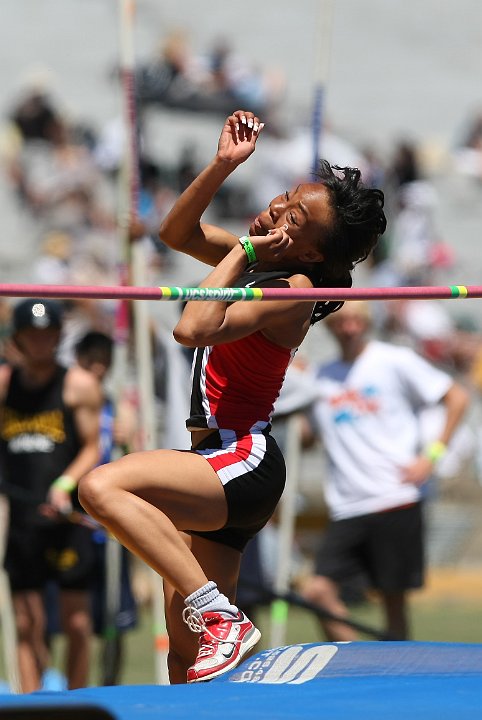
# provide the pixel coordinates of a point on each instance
(182, 228)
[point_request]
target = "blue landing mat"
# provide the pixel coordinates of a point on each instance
(346, 681)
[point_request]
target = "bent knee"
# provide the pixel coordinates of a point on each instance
(94, 490)
(23, 626)
(319, 588)
(27, 626)
(78, 625)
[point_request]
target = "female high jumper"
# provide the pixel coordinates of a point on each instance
(189, 514)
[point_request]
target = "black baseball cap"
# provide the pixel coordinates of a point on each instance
(36, 313)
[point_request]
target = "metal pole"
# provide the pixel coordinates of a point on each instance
(279, 607)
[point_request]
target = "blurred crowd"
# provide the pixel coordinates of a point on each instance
(215, 81)
(64, 175)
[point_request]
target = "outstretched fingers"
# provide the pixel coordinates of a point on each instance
(245, 125)
(239, 136)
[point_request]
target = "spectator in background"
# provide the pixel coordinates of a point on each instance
(171, 77)
(53, 171)
(423, 324)
(367, 414)
(413, 199)
(52, 266)
(404, 168)
(214, 81)
(35, 110)
(49, 438)
(29, 122)
(154, 202)
(59, 183)
(233, 80)
(468, 156)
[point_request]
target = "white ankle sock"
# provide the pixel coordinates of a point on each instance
(209, 599)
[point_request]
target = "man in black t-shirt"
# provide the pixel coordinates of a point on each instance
(49, 439)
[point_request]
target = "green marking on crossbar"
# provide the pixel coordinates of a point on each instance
(227, 294)
(459, 291)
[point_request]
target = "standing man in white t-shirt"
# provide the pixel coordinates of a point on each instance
(367, 417)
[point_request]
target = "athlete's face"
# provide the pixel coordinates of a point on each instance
(38, 344)
(306, 210)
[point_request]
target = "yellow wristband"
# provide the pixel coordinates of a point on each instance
(435, 451)
(65, 483)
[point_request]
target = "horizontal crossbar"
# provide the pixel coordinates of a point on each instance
(445, 292)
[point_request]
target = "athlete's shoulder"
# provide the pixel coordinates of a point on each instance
(300, 281)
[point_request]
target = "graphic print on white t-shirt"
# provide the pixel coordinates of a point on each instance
(351, 405)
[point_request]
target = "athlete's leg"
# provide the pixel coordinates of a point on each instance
(221, 564)
(76, 623)
(396, 615)
(33, 653)
(324, 592)
(145, 498)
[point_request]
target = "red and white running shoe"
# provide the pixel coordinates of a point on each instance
(223, 642)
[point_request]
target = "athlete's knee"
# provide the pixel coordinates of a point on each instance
(95, 490)
(320, 590)
(23, 626)
(78, 626)
(27, 626)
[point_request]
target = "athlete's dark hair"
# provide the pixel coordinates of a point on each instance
(96, 346)
(358, 221)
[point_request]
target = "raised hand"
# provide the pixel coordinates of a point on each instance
(238, 136)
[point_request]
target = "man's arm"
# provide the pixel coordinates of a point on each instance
(456, 401)
(82, 393)
(5, 374)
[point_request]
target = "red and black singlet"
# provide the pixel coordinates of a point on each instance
(235, 385)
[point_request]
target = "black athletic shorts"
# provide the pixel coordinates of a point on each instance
(126, 617)
(63, 552)
(252, 470)
(386, 547)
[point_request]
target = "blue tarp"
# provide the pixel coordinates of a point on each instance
(346, 681)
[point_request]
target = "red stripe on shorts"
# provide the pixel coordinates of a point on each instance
(225, 458)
